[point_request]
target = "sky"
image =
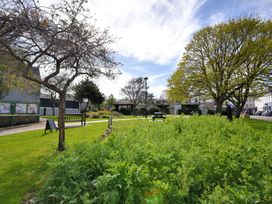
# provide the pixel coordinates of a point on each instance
(151, 34)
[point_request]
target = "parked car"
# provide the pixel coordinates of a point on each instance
(267, 113)
(258, 113)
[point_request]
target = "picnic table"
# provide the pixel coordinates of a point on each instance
(158, 115)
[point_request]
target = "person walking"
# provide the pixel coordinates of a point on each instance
(229, 111)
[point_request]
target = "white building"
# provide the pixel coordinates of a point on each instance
(47, 105)
(264, 103)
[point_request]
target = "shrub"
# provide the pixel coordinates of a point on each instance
(187, 160)
(180, 111)
(125, 111)
(211, 112)
(99, 114)
(153, 110)
(115, 113)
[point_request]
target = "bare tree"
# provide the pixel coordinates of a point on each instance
(59, 41)
(134, 90)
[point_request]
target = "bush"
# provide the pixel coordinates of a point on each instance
(99, 114)
(153, 110)
(125, 111)
(115, 113)
(180, 111)
(211, 112)
(187, 160)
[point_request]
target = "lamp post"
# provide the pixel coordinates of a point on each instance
(145, 87)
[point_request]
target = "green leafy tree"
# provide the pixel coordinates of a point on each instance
(88, 90)
(225, 58)
(177, 86)
(110, 101)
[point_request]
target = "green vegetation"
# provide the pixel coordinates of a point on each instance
(184, 160)
(228, 67)
(258, 124)
(55, 118)
(24, 158)
(96, 118)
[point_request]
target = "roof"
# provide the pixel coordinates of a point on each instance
(123, 102)
(45, 102)
(29, 95)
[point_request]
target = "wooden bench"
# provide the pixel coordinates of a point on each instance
(158, 115)
(76, 118)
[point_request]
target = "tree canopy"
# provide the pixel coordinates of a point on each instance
(223, 59)
(87, 89)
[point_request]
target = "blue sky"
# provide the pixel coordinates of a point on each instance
(151, 34)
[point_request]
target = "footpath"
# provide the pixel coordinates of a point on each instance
(41, 125)
(266, 118)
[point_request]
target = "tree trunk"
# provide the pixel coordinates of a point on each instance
(219, 104)
(87, 106)
(238, 111)
(61, 122)
(53, 104)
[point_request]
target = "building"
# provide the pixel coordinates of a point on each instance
(250, 104)
(20, 105)
(49, 106)
(264, 103)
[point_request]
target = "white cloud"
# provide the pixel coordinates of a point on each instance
(108, 87)
(217, 18)
(153, 30)
(157, 90)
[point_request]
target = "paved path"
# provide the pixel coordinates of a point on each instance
(41, 125)
(266, 118)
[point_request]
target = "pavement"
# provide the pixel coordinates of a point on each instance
(266, 118)
(41, 125)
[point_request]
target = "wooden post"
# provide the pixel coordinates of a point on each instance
(110, 122)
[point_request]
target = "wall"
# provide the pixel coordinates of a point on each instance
(8, 120)
(49, 111)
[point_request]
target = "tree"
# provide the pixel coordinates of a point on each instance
(177, 86)
(9, 77)
(87, 89)
(59, 41)
(110, 101)
(53, 98)
(225, 58)
(134, 90)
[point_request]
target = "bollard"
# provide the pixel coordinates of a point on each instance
(110, 122)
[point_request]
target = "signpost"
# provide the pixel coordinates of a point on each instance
(50, 125)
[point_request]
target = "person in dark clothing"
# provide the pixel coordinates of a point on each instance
(229, 111)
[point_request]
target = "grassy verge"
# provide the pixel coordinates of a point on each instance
(258, 124)
(24, 158)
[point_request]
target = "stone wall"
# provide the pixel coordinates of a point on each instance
(9, 120)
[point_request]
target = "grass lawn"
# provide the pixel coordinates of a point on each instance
(194, 159)
(258, 124)
(95, 119)
(24, 158)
